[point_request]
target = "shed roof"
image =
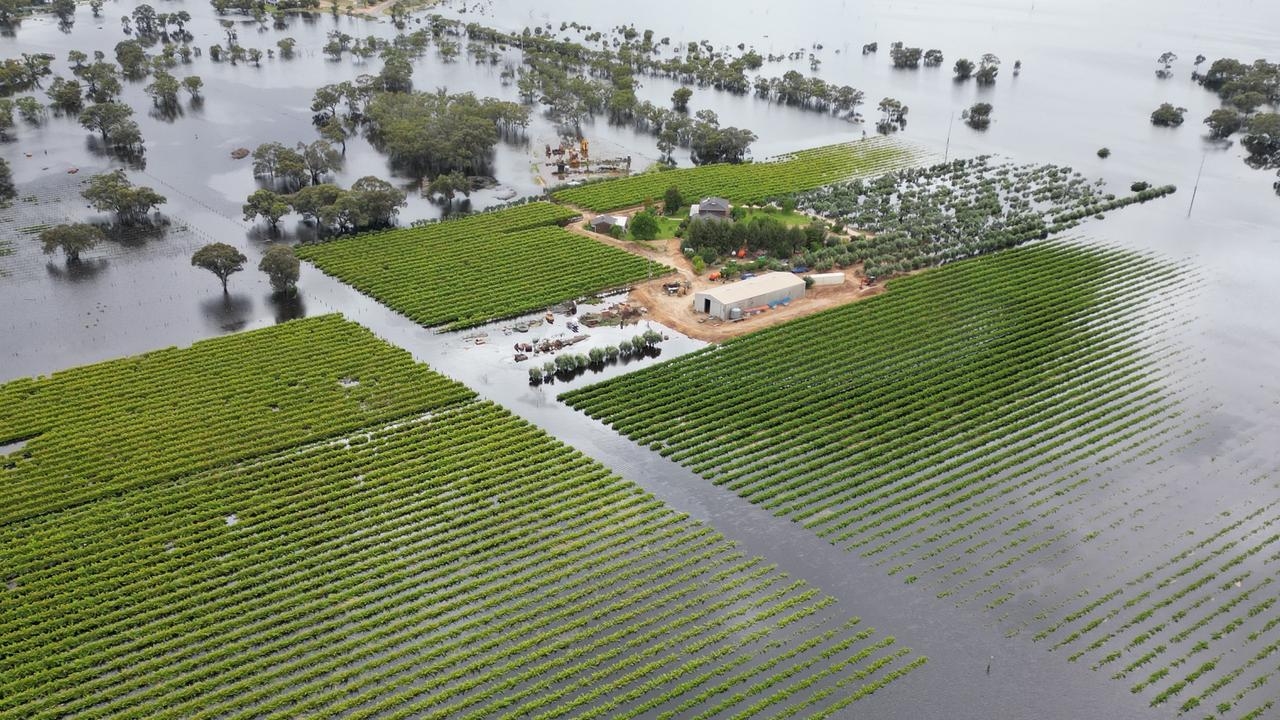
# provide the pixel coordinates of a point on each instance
(752, 287)
(713, 203)
(619, 220)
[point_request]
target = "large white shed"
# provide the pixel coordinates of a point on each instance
(760, 290)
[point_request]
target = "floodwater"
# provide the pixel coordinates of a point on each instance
(1088, 81)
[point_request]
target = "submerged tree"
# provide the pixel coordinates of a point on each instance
(112, 192)
(436, 132)
(112, 120)
(1167, 115)
(220, 259)
(71, 239)
(281, 266)
(893, 115)
(319, 159)
(279, 163)
(988, 69)
(964, 69)
(1223, 122)
(270, 206)
(30, 109)
(1262, 139)
(680, 99)
(163, 90)
(448, 185)
(7, 189)
(978, 116)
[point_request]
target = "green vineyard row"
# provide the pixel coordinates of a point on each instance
(462, 273)
(438, 558)
(101, 429)
(750, 182)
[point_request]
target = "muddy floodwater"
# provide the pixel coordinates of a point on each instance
(1087, 81)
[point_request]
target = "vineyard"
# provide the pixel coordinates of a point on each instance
(466, 272)
(989, 432)
(922, 217)
(458, 563)
(1195, 631)
(101, 429)
(750, 182)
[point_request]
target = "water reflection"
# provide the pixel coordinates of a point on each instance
(290, 306)
(227, 312)
(77, 271)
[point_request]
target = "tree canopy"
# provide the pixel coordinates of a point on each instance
(71, 239)
(281, 266)
(112, 192)
(1167, 115)
(220, 259)
(432, 133)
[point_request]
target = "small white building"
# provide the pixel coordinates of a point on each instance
(825, 279)
(604, 223)
(761, 290)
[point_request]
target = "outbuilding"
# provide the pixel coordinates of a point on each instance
(711, 208)
(824, 279)
(604, 223)
(762, 290)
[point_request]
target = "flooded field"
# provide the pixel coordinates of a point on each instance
(1159, 588)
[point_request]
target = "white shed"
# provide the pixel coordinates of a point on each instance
(770, 288)
(822, 279)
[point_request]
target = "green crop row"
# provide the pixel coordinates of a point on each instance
(462, 273)
(101, 429)
(452, 561)
(749, 182)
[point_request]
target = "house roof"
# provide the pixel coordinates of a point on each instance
(713, 203)
(752, 287)
(618, 220)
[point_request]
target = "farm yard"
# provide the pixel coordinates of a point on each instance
(462, 273)
(398, 564)
(751, 182)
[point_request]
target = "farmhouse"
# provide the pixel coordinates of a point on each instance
(605, 223)
(711, 208)
(733, 300)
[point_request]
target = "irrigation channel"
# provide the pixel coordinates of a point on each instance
(1087, 83)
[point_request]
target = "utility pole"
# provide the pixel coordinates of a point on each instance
(1196, 189)
(947, 153)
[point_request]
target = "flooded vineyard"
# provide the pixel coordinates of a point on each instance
(463, 470)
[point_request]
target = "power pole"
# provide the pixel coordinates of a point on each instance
(947, 153)
(1196, 189)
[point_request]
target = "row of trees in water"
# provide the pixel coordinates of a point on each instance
(1245, 91)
